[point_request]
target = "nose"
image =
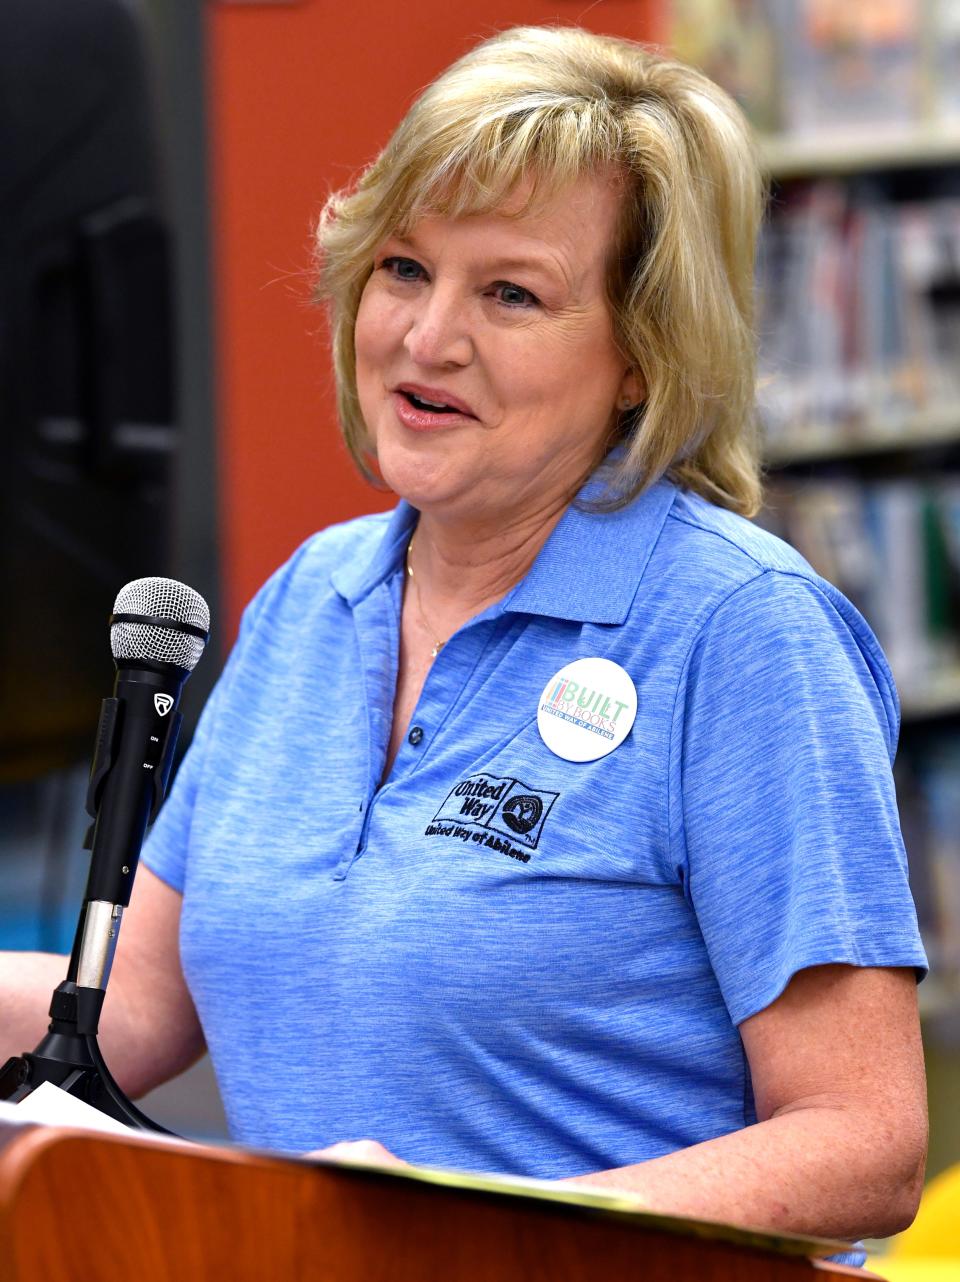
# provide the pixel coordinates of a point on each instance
(439, 332)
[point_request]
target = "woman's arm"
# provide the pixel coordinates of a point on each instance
(149, 1030)
(27, 981)
(840, 1147)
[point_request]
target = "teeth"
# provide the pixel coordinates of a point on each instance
(434, 405)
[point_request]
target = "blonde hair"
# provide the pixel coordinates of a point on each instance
(547, 105)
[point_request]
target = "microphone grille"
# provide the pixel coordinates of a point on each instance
(164, 598)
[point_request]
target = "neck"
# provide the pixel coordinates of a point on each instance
(462, 567)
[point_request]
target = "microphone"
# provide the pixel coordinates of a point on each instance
(158, 630)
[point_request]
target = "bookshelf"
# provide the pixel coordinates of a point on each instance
(936, 695)
(858, 151)
(913, 433)
(859, 319)
(857, 108)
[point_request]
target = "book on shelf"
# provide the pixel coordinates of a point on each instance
(855, 65)
(737, 44)
(945, 39)
(892, 548)
(810, 67)
(859, 316)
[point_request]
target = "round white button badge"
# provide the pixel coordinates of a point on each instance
(587, 709)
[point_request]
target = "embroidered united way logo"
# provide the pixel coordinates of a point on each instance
(494, 804)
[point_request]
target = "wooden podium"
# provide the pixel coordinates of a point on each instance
(80, 1207)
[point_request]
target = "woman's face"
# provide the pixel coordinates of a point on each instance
(486, 365)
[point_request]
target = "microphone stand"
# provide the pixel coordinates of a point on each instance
(69, 1055)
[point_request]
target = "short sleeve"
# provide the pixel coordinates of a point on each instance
(166, 849)
(783, 809)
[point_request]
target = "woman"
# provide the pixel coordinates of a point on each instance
(545, 825)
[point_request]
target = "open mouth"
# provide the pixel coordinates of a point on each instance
(418, 402)
(432, 400)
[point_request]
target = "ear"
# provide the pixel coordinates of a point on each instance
(632, 391)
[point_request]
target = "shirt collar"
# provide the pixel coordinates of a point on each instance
(588, 570)
(591, 565)
(357, 578)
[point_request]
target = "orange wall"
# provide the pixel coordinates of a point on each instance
(301, 96)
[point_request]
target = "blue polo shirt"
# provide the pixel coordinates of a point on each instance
(551, 997)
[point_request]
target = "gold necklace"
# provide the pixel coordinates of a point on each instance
(437, 645)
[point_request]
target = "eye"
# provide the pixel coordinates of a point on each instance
(514, 295)
(402, 268)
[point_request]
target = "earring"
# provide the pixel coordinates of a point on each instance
(626, 403)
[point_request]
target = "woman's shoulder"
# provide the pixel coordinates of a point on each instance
(714, 554)
(750, 594)
(726, 539)
(715, 559)
(356, 539)
(309, 568)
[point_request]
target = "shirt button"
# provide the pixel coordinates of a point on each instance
(415, 735)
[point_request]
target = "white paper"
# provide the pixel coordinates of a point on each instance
(50, 1106)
